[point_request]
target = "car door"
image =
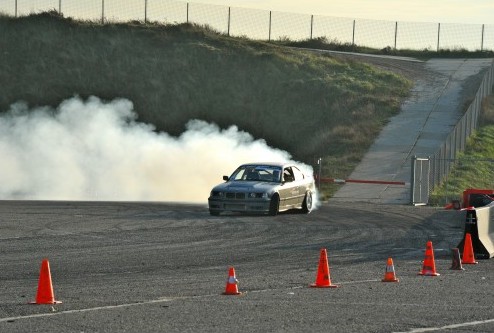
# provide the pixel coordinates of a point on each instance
(300, 185)
(289, 191)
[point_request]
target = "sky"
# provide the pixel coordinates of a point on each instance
(437, 11)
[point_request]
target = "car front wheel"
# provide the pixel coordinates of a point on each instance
(274, 205)
(307, 204)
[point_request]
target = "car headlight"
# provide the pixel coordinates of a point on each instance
(254, 195)
(217, 194)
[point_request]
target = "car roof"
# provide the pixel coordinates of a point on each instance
(276, 164)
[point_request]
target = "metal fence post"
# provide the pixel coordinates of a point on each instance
(482, 39)
(396, 32)
(421, 179)
(102, 11)
(15, 8)
(412, 180)
(229, 17)
(311, 25)
(187, 12)
(145, 11)
(353, 34)
(319, 162)
(269, 37)
(59, 6)
(438, 34)
(429, 187)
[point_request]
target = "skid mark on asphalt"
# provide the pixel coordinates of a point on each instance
(449, 327)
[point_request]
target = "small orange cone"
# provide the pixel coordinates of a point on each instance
(429, 265)
(456, 262)
(468, 255)
(389, 274)
(45, 293)
(231, 283)
(323, 279)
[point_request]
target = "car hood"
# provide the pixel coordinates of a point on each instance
(246, 186)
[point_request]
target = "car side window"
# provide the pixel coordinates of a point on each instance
(239, 174)
(288, 175)
(297, 173)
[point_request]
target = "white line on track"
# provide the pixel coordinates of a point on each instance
(170, 299)
(449, 327)
(40, 315)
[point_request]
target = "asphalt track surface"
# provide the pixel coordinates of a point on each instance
(158, 267)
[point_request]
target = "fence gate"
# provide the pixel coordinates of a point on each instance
(420, 180)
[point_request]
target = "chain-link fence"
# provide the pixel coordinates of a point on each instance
(271, 25)
(441, 163)
(444, 158)
(453, 184)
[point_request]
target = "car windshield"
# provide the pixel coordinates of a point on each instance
(264, 173)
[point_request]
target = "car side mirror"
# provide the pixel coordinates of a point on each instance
(225, 178)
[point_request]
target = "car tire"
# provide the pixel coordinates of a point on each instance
(274, 205)
(214, 212)
(307, 204)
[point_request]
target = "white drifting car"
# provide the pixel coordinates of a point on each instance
(263, 188)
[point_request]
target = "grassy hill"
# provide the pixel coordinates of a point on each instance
(311, 105)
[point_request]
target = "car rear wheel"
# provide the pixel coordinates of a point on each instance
(274, 205)
(307, 204)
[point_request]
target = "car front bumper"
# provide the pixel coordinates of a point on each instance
(247, 205)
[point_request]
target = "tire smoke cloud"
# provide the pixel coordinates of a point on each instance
(96, 150)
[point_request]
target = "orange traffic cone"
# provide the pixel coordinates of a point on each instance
(231, 283)
(456, 262)
(323, 279)
(429, 265)
(45, 293)
(389, 274)
(468, 255)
